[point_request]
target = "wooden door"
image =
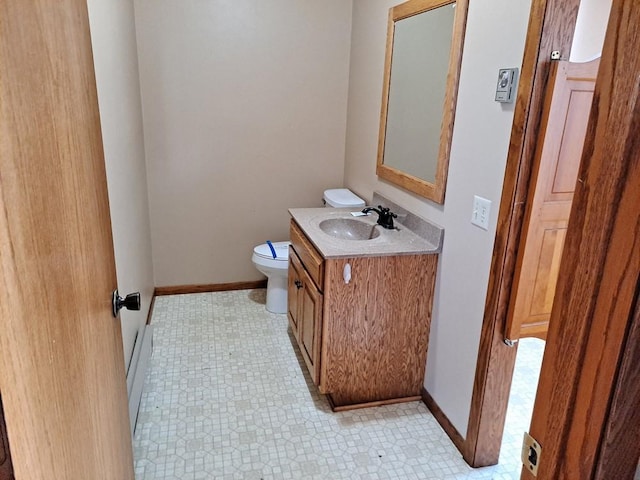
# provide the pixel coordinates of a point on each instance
(564, 125)
(61, 360)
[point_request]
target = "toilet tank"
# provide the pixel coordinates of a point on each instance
(342, 198)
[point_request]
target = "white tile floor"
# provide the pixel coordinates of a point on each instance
(226, 397)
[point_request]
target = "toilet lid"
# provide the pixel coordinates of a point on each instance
(281, 248)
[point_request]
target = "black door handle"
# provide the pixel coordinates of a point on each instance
(130, 302)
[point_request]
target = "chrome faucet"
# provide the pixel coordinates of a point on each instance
(385, 217)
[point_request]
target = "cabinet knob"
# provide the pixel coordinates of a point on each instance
(298, 284)
(346, 273)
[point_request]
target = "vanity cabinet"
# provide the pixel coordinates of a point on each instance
(362, 322)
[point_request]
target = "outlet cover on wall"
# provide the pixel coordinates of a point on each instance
(481, 212)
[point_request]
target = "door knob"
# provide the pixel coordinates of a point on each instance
(130, 302)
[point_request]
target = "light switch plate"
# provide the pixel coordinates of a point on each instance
(507, 85)
(481, 212)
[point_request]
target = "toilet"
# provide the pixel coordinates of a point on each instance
(272, 258)
(274, 264)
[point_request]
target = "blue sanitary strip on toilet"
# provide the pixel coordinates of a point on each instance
(273, 250)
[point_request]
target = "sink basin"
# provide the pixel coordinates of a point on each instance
(349, 229)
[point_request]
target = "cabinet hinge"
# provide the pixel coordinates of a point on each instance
(531, 452)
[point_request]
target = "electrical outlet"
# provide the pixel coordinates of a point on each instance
(481, 212)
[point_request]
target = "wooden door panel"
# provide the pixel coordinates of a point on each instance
(61, 361)
(564, 125)
(308, 330)
(543, 260)
(548, 262)
(310, 326)
(293, 307)
(575, 129)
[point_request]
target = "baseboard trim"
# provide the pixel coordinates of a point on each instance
(378, 403)
(135, 378)
(214, 287)
(443, 420)
(150, 312)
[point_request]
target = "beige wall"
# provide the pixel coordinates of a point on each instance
(591, 26)
(244, 107)
(496, 31)
(115, 57)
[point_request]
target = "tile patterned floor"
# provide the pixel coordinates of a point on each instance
(226, 397)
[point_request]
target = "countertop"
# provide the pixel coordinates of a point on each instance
(402, 241)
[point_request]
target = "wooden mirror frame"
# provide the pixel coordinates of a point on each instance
(434, 191)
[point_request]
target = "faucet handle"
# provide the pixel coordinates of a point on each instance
(385, 217)
(387, 211)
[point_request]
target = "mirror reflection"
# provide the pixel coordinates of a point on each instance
(416, 92)
(424, 47)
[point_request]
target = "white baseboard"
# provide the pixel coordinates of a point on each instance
(137, 370)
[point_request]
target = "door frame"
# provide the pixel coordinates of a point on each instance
(551, 27)
(614, 460)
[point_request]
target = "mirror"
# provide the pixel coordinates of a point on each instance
(422, 68)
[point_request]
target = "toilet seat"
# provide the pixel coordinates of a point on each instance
(282, 251)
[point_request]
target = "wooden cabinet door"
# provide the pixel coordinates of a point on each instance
(564, 125)
(304, 310)
(310, 325)
(293, 292)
